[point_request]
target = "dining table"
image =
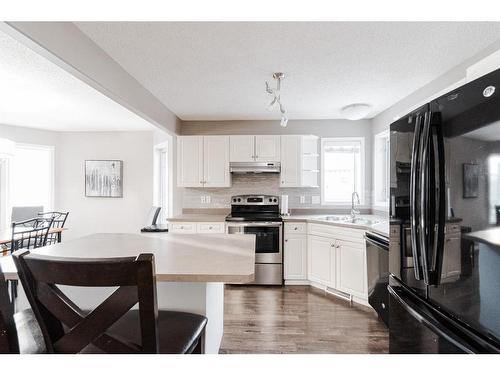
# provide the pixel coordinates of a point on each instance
(190, 269)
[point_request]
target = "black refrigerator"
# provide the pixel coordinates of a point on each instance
(444, 283)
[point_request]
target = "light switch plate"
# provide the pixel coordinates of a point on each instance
(315, 199)
(302, 199)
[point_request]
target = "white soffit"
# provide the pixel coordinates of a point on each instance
(36, 93)
(216, 70)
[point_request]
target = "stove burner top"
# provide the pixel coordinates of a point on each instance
(254, 208)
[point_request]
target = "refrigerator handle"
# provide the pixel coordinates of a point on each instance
(414, 182)
(425, 233)
(435, 278)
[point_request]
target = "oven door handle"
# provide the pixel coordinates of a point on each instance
(257, 224)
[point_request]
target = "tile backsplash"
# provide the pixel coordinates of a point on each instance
(265, 183)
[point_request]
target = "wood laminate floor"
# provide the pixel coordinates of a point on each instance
(298, 319)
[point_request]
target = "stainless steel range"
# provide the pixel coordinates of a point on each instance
(260, 215)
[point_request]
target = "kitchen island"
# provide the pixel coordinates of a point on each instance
(190, 270)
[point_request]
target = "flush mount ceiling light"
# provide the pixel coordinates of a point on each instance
(356, 111)
(276, 95)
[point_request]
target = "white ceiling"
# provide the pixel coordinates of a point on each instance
(36, 93)
(216, 71)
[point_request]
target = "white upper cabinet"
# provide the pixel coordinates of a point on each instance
(190, 161)
(242, 148)
(260, 148)
(216, 161)
(267, 148)
(290, 161)
(299, 161)
(203, 161)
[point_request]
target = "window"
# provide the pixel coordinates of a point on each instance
(342, 169)
(26, 179)
(494, 185)
(382, 158)
(31, 176)
(162, 181)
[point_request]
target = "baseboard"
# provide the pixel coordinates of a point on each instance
(297, 282)
(324, 288)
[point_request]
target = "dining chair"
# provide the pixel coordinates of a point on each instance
(30, 234)
(19, 332)
(58, 221)
(113, 326)
(21, 213)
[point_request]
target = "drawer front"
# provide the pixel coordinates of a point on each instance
(182, 227)
(295, 228)
(211, 228)
(337, 232)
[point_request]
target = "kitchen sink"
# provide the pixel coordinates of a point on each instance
(348, 219)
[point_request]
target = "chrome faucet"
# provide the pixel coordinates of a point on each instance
(354, 212)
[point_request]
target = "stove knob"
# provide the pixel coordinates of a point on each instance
(270, 199)
(239, 199)
(275, 200)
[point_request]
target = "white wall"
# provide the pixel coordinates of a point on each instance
(94, 215)
(90, 215)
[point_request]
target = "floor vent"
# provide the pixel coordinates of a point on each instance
(340, 294)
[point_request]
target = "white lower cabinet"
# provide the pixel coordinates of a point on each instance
(327, 256)
(190, 227)
(295, 257)
(320, 251)
(351, 269)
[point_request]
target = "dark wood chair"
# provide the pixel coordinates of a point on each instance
(58, 221)
(19, 332)
(112, 327)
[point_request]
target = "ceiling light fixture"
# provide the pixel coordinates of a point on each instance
(356, 111)
(276, 95)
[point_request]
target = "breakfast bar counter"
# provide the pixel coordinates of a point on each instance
(190, 270)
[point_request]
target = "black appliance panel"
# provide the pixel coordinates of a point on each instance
(377, 260)
(267, 239)
(417, 327)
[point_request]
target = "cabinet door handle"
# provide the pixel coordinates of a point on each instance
(286, 240)
(295, 228)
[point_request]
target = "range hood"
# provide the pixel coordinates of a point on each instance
(254, 167)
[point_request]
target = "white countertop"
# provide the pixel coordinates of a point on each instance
(381, 227)
(198, 218)
(178, 257)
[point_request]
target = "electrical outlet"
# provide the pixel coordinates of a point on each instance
(208, 199)
(302, 199)
(315, 199)
(202, 199)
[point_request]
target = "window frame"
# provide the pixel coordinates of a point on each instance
(376, 167)
(362, 158)
(159, 185)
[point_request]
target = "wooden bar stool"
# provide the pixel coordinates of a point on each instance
(112, 327)
(19, 332)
